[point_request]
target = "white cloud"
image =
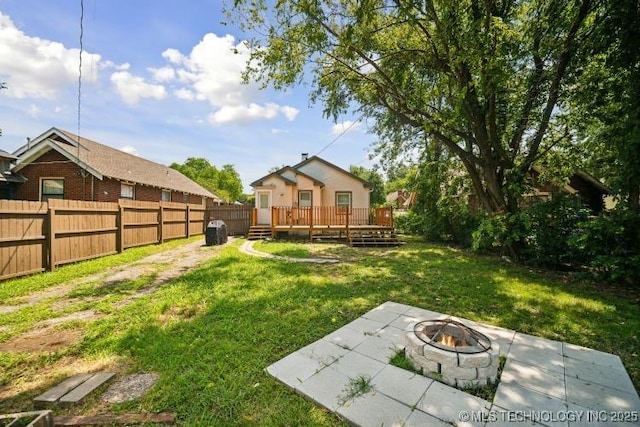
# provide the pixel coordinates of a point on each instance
(213, 70)
(33, 110)
(344, 127)
(185, 94)
(250, 112)
(172, 55)
(36, 68)
(130, 149)
(131, 88)
(164, 74)
(289, 112)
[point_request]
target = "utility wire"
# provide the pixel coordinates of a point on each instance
(80, 71)
(340, 135)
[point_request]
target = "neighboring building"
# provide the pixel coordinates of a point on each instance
(590, 192)
(8, 180)
(61, 165)
(314, 182)
(587, 190)
(401, 199)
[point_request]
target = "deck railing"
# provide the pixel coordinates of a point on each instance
(329, 215)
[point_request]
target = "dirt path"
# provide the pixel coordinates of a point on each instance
(164, 266)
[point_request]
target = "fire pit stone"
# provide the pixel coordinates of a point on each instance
(452, 352)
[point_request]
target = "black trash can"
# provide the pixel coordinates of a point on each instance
(216, 233)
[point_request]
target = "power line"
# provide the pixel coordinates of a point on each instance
(340, 135)
(80, 71)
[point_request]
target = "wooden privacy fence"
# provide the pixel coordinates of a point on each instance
(37, 236)
(236, 217)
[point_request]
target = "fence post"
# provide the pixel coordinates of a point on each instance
(120, 225)
(160, 223)
(51, 236)
(187, 212)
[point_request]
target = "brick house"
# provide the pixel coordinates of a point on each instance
(8, 181)
(58, 164)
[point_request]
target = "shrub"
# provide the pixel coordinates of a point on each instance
(449, 223)
(501, 232)
(552, 225)
(609, 245)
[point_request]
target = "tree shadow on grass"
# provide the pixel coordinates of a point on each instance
(237, 314)
(252, 312)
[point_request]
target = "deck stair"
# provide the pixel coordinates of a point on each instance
(259, 232)
(375, 238)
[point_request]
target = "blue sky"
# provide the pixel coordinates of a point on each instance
(159, 80)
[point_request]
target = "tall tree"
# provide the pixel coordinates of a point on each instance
(607, 99)
(483, 78)
(224, 183)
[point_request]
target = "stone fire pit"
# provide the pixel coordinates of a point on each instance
(452, 352)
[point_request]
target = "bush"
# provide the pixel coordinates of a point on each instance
(552, 225)
(452, 224)
(609, 246)
(500, 232)
(538, 234)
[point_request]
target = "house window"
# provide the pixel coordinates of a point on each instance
(185, 198)
(343, 201)
(127, 191)
(263, 201)
(304, 199)
(166, 195)
(51, 188)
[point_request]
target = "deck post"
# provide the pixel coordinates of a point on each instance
(273, 221)
(347, 225)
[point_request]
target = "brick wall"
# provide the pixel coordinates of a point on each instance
(54, 165)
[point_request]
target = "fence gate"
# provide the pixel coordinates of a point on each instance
(236, 217)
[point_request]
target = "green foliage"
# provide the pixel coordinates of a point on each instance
(604, 99)
(441, 210)
(225, 182)
(559, 234)
(609, 245)
(483, 79)
(550, 227)
(502, 231)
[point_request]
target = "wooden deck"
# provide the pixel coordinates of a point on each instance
(357, 227)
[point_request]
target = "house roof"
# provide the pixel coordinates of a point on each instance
(104, 161)
(278, 174)
(331, 165)
(297, 171)
(585, 176)
(5, 155)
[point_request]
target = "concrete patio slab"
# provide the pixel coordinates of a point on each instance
(536, 378)
(544, 382)
(364, 411)
(402, 385)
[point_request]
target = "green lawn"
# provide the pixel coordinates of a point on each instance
(211, 333)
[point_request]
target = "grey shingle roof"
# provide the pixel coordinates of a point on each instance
(123, 166)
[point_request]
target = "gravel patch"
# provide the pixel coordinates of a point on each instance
(130, 387)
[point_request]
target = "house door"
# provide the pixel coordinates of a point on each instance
(263, 202)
